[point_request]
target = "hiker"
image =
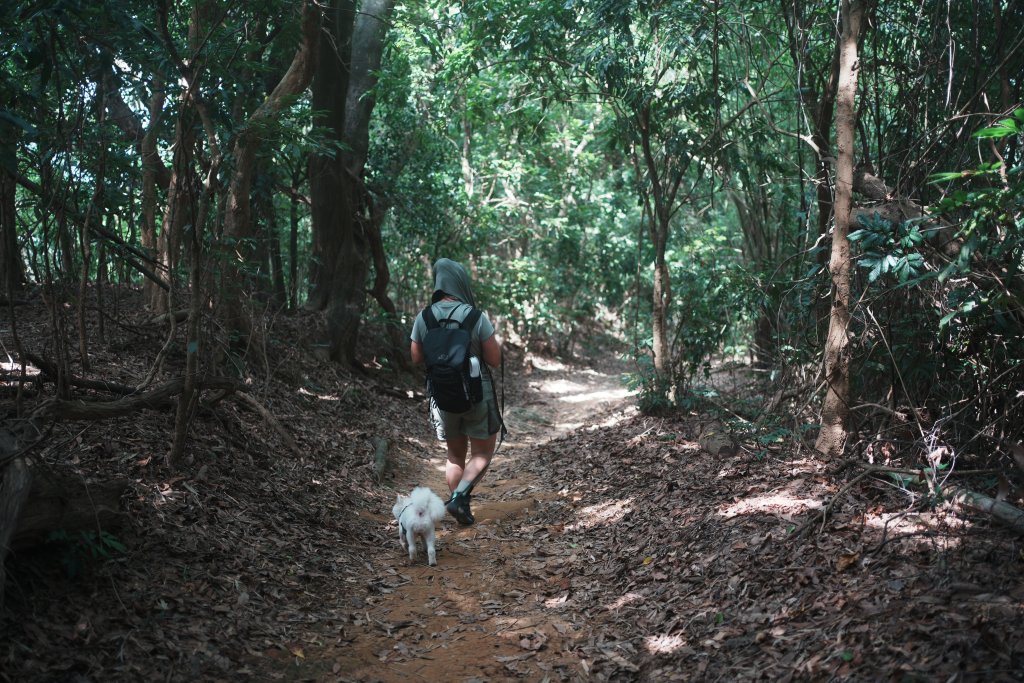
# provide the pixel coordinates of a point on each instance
(476, 429)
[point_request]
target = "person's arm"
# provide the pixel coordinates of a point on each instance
(490, 350)
(416, 352)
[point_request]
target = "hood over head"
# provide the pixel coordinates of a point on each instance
(451, 279)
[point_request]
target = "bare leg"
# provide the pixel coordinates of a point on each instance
(456, 465)
(482, 450)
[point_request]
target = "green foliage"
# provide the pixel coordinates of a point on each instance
(711, 290)
(653, 392)
(889, 249)
(81, 549)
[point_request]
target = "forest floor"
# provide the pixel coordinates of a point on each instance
(608, 545)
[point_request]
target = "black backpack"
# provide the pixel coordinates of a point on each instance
(446, 349)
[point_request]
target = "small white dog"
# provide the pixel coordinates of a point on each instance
(416, 514)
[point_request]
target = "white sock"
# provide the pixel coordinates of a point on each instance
(465, 486)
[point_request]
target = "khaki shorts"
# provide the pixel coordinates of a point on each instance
(479, 422)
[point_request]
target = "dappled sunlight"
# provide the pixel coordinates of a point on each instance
(560, 601)
(600, 514)
(663, 644)
(560, 386)
(323, 397)
(605, 395)
(776, 503)
(622, 601)
(915, 527)
(546, 364)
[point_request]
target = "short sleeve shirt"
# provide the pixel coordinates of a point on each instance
(456, 310)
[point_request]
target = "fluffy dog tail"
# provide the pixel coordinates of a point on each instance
(427, 503)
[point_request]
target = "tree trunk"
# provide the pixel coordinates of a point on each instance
(340, 203)
(368, 33)
(12, 269)
(180, 208)
(15, 482)
(293, 250)
(329, 211)
(835, 411)
(238, 223)
(660, 212)
(152, 168)
(659, 314)
(277, 292)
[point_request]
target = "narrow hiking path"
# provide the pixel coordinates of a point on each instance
(484, 612)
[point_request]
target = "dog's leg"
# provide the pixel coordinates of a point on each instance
(401, 535)
(428, 539)
(411, 543)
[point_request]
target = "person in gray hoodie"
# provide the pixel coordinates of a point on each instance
(474, 432)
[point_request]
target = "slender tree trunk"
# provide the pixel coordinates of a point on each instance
(835, 411)
(238, 223)
(273, 240)
(293, 249)
(661, 218)
(180, 208)
(152, 167)
(818, 96)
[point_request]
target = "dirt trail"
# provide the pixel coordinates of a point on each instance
(478, 615)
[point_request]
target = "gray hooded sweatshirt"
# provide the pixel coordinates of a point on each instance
(451, 279)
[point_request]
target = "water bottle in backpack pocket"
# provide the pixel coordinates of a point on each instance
(476, 381)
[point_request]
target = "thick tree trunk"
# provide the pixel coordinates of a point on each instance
(341, 208)
(835, 411)
(330, 204)
(12, 269)
(15, 482)
(369, 30)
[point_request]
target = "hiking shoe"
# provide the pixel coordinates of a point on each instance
(458, 507)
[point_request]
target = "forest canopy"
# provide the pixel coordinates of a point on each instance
(831, 190)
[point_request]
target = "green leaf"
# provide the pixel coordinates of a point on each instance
(1002, 129)
(947, 175)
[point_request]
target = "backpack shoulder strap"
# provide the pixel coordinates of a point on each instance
(429, 319)
(469, 323)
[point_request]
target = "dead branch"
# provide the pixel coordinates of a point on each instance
(868, 469)
(1011, 516)
(250, 401)
(103, 410)
(49, 370)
